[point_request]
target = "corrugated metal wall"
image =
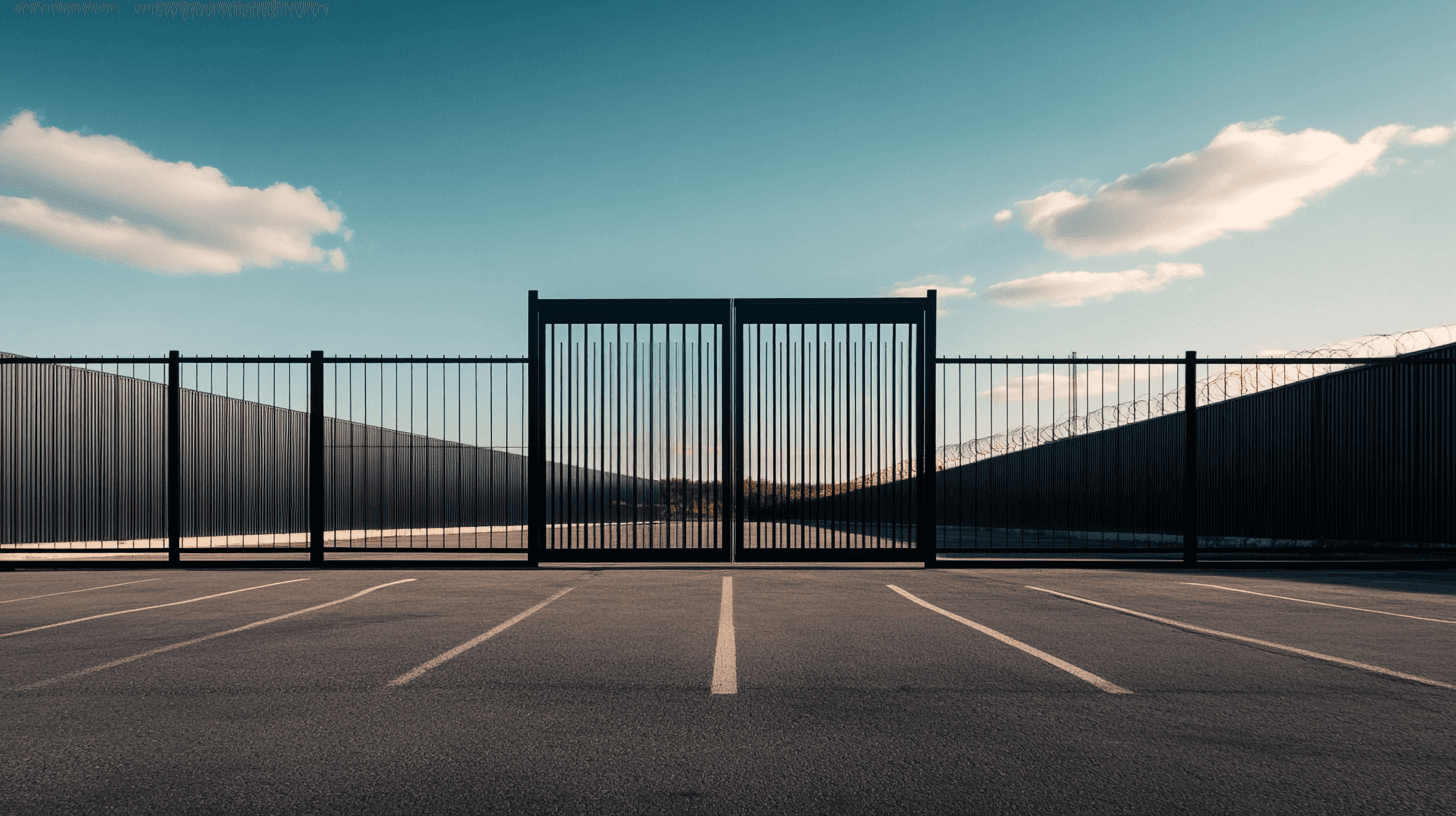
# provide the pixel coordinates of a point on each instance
(1367, 454)
(83, 458)
(82, 455)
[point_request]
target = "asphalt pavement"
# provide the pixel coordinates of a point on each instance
(604, 689)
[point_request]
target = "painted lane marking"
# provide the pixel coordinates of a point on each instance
(415, 673)
(87, 589)
(1081, 674)
(1415, 678)
(725, 660)
(145, 608)
(1321, 603)
(194, 641)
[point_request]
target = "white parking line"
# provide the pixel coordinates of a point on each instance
(725, 660)
(1415, 678)
(160, 649)
(415, 673)
(145, 608)
(87, 589)
(1321, 603)
(1081, 674)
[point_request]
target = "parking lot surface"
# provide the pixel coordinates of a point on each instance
(728, 690)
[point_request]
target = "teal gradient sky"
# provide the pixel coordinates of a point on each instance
(785, 149)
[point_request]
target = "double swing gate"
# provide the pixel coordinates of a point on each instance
(742, 430)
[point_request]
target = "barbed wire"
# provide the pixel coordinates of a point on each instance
(1226, 384)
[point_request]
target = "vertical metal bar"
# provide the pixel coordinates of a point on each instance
(925, 372)
(536, 445)
(961, 495)
(316, 458)
(565, 448)
(818, 416)
(731, 434)
(879, 436)
(803, 400)
(635, 431)
(1190, 459)
(683, 436)
(174, 458)
(1319, 473)
(782, 430)
(601, 440)
(556, 418)
(1021, 458)
(656, 399)
(492, 514)
(410, 467)
(853, 537)
(859, 408)
(459, 511)
(424, 467)
(699, 447)
(617, 440)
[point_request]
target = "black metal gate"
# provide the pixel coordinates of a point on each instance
(629, 409)
(716, 430)
(830, 419)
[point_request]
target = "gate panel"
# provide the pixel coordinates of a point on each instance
(829, 407)
(634, 406)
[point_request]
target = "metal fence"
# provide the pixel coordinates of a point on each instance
(1161, 457)
(1203, 458)
(426, 453)
(83, 453)
(208, 454)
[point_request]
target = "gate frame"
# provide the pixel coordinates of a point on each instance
(920, 312)
(641, 311)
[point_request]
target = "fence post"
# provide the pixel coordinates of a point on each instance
(1190, 459)
(926, 373)
(536, 436)
(174, 458)
(316, 458)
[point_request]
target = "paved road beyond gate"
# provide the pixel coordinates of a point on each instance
(718, 430)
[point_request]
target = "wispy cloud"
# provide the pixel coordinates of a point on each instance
(1248, 177)
(104, 198)
(1071, 288)
(943, 286)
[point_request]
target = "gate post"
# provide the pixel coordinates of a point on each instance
(536, 437)
(316, 506)
(926, 373)
(174, 458)
(1190, 459)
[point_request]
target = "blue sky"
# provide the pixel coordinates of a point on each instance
(393, 177)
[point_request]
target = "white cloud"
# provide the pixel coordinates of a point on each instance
(1249, 176)
(1089, 382)
(942, 285)
(1428, 136)
(103, 197)
(1071, 288)
(1003, 216)
(1049, 385)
